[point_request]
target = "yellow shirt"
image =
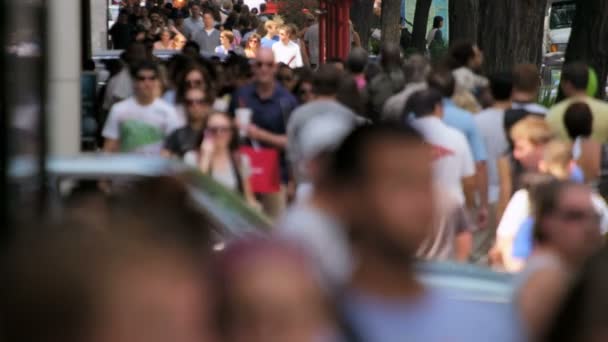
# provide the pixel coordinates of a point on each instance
(599, 110)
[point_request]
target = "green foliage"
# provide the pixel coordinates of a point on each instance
(547, 96)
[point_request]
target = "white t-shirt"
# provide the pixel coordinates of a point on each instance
(288, 54)
(490, 123)
(452, 157)
(141, 129)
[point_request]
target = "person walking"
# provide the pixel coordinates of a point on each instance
(194, 23)
(286, 51)
(140, 123)
(253, 46)
(271, 36)
(207, 38)
(226, 44)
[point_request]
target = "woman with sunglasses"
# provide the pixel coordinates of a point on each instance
(193, 75)
(197, 105)
(566, 233)
(253, 45)
(219, 157)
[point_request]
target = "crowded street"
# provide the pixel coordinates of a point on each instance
(282, 171)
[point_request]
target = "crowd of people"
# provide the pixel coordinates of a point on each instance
(364, 167)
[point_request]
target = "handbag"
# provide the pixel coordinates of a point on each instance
(265, 177)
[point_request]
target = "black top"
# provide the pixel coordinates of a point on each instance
(121, 36)
(183, 140)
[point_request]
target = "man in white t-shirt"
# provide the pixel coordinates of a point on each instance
(140, 123)
(453, 163)
(285, 51)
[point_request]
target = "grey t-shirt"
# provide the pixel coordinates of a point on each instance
(191, 26)
(490, 123)
(208, 41)
(311, 37)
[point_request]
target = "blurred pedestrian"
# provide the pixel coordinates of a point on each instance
(140, 123)
(574, 81)
(270, 292)
(170, 39)
(287, 77)
(465, 60)
(198, 105)
(252, 46)
(207, 38)
(356, 64)
(526, 84)
(463, 121)
(415, 70)
(226, 44)
(194, 23)
(387, 83)
(120, 86)
(272, 34)
(566, 232)
(311, 39)
(581, 316)
(286, 51)
(121, 32)
(271, 105)
(389, 202)
(435, 36)
(218, 156)
(325, 84)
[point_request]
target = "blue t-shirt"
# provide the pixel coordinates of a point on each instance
(267, 43)
(463, 121)
(435, 317)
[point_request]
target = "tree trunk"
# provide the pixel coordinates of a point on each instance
(589, 38)
(391, 17)
(361, 13)
(464, 20)
(421, 20)
(511, 32)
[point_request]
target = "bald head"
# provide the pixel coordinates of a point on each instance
(265, 67)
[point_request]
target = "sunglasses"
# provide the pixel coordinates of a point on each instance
(218, 130)
(262, 64)
(194, 83)
(144, 78)
(254, 41)
(192, 102)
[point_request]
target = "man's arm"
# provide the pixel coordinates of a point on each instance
(463, 246)
(481, 176)
(111, 145)
(506, 186)
(260, 134)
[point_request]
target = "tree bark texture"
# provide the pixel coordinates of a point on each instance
(464, 20)
(421, 19)
(391, 20)
(511, 32)
(361, 13)
(589, 38)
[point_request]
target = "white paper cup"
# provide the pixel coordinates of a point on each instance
(243, 116)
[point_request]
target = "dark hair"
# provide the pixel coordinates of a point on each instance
(577, 74)
(357, 60)
(234, 142)
(144, 65)
(348, 94)
(326, 80)
(578, 120)
(443, 81)
(459, 54)
(501, 86)
(437, 21)
(348, 165)
(582, 313)
(334, 59)
(181, 83)
(422, 103)
(526, 78)
(545, 198)
(390, 57)
(262, 8)
(191, 44)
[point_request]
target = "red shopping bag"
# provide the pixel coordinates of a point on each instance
(265, 175)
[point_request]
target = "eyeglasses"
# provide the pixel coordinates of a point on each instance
(146, 78)
(266, 64)
(254, 41)
(217, 130)
(192, 102)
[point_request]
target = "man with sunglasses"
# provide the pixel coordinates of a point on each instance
(271, 105)
(140, 123)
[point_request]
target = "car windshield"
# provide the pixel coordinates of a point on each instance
(562, 15)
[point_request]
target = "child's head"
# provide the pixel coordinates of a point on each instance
(530, 135)
(557, 159)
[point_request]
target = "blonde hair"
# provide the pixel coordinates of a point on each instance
(557, 156)
(269, 24)
(533, 129)
(229, 35)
